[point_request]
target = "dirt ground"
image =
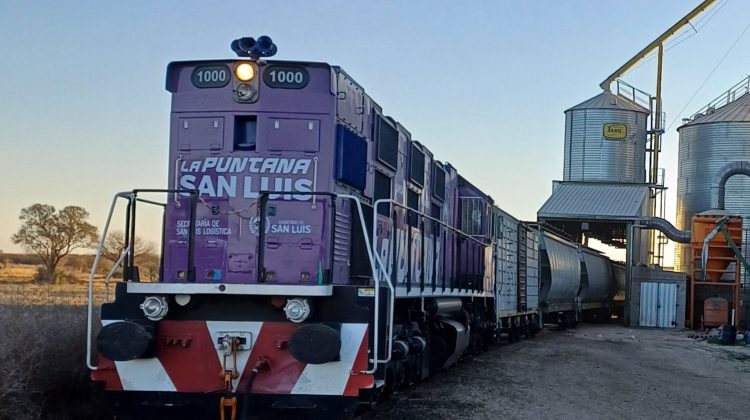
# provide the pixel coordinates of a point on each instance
(593, 372)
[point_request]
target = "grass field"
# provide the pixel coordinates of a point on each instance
(17, 287)
(43, 347)
(42, 365)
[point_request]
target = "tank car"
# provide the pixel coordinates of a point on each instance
(576, 282)
(618, 280)
(560, 279)
(597, 285)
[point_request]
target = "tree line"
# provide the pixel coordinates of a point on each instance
(52, 235)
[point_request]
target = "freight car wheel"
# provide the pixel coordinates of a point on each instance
(568, 320)
(516, 331)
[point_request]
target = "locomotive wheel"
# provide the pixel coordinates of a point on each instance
(387, 392)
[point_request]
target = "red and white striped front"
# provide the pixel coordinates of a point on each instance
(187, 360)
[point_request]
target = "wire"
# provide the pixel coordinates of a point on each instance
(700, 23)
(726, 54)
(710, 15)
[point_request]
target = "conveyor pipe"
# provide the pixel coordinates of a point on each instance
(718, 186)
(668, 229)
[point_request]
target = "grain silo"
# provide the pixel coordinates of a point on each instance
(717, 135)
(605, 140)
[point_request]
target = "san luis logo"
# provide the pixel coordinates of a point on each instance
(254, 225)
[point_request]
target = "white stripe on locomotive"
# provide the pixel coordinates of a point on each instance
(331, 378)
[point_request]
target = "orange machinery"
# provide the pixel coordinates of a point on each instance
(720, 279)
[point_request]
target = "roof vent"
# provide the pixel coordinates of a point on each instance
(710, 110)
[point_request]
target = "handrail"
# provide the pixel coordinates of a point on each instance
(370, 253)
(730, 95)
(132, 197)
(382, 265)
(111, 273)
(90, 295)
(389, 283)
(636, 96)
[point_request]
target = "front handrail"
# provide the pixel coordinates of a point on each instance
(111, 273)
(127, 255)
(90, 295)
(370, 253)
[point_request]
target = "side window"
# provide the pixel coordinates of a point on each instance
(382, 190)
(387, 143)
(498, 226)
(412, 201)
(438, 182)
(471, 215)
(435, 212)
(416, 166)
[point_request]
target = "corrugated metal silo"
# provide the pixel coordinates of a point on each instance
(707, 143)
(605, 140)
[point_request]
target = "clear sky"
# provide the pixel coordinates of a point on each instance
(84, 113)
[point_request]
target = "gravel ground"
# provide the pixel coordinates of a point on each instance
(596, 371)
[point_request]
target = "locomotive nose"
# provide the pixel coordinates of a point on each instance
(124, 340)
(315, 344)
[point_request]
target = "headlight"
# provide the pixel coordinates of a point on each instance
(182, 300)
(245, 72)
(155, 307)
(245, 92)
(297, 309)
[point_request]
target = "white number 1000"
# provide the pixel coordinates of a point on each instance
(295, 77)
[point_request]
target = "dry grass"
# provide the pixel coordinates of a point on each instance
(17, 287)
(42, 365)
(13, 273)
(43, 346)
(51, 294)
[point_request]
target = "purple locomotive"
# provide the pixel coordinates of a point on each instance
(314, 255)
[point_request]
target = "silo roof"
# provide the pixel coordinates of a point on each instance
(590, 201)
(608, 100)
(735, 111)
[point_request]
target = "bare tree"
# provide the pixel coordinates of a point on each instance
(52, 234)
(114, 246)
(148, 263)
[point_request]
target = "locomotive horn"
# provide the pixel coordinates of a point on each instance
(249, 47)
(264, 47)
(264, 42)
(236, 48)
(246, 44)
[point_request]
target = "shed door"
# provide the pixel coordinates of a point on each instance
(658, 305)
